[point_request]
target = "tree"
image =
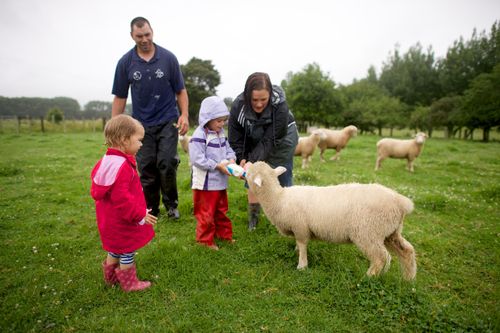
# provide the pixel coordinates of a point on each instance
(228, 101)
(55, 115)
(369, 106)
(312, 97)
(37, 107)
(99, 109)
(420, 119)
(467, 59)
(200, 78)
(413, 77)
(446, 112)
(482, 102)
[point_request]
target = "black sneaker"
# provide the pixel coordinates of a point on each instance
(173, 213)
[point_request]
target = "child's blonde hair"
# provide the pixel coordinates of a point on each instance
(119, 129)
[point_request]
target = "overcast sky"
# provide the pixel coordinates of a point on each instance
(70, 48)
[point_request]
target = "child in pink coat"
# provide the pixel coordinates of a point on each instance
(123, 220)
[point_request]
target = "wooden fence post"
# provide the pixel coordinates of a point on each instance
(41, 125)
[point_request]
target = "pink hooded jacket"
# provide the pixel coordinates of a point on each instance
(119, 203)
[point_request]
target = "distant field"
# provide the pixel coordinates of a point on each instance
(10, 125)
(51, 279)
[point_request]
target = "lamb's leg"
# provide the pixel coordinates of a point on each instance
(405, 252)
(378, 255)
(304, 162)
(321, 157)
(377, 164)
(302, 246)
(410, 165)
(336, 156)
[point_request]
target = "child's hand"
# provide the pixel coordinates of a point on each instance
(150, 219)
(222, 167)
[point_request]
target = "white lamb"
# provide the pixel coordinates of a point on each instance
(409, 149)
(368, 215)
(337, 139)
(184, 142)
(307, 145)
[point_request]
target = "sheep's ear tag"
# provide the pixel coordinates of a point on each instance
(258, 181)
(279, 170)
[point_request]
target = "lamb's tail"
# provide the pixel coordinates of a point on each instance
(406, 204)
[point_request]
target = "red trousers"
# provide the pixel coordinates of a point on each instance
(210, 208)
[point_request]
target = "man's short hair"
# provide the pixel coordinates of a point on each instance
(139, 22)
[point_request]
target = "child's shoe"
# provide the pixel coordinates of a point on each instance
(109, 273)
(129, 281)
(210, 246)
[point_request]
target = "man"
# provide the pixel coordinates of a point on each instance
(158, 92)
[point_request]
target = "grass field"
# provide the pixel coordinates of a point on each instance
(51, 279)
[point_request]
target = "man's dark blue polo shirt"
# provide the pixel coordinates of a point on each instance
(154, 85)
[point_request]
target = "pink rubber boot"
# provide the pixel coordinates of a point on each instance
(129, 281)
(109, 273)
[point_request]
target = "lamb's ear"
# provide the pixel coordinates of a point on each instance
(257, 181)
(279, 170)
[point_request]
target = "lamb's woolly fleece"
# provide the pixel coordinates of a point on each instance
(184, 141)
(369, 215)
(307, 145)
(336, 139)
(408, 149)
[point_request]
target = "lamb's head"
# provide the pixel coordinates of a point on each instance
(260, 174)
(352, 130)
(420, 138)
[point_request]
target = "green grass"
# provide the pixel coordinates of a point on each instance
(51, 279)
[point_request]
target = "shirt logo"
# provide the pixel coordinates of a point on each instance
(137, 75)
(159, 73)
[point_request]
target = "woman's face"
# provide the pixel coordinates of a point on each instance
(260, 99)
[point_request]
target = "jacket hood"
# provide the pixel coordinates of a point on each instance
(106, 171)
(278, 95)
(212, 107)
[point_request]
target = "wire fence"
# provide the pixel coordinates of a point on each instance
(25, 125)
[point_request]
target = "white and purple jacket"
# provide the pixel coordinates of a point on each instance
(208, 148)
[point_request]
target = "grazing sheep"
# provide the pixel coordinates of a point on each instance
(337, 139)
(368, 215)
(184, 141)
(409, 149)
(307, 146)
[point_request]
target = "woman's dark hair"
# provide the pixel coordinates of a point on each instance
(139, 22)
(256, 81)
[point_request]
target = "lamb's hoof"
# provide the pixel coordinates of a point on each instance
(301, 267)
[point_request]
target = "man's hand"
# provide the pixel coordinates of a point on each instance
(183, 124)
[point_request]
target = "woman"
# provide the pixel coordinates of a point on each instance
(262, 128)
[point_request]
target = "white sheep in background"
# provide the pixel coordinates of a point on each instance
(184, 141)
(307, 145)
(368, 215)
(337, 139)
(409, 149)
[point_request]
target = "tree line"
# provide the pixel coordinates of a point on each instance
(458, 92)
